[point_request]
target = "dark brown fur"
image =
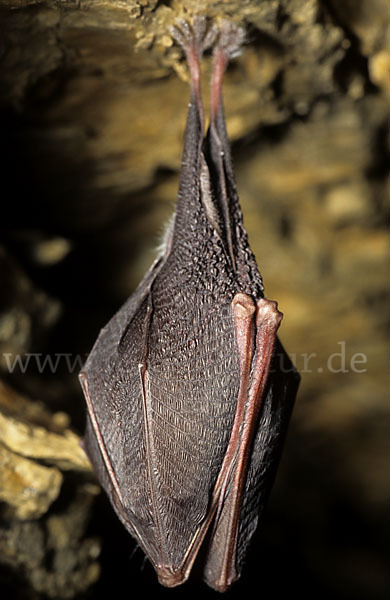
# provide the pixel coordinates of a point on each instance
(185, 362)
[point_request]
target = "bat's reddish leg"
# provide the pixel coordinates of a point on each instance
(230, 40)
(194, 41)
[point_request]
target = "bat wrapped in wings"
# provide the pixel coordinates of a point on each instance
(188, 389)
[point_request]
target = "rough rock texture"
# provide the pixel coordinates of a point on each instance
(93, 98)
(45, 500)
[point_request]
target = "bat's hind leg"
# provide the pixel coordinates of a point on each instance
(194, 40)
(231, 37)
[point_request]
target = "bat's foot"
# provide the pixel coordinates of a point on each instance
(231, 37)
(226, 37)
(194, 39)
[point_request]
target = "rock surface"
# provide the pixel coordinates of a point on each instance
(92, 110)
(44, 505)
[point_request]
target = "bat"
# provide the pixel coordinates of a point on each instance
(188, 389)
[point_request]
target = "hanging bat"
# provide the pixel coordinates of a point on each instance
(188, 389)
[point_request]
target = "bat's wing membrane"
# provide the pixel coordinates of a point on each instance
(275, 414)
(111, 384)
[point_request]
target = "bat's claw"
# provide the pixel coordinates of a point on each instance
(195, 38)
(231, 38)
